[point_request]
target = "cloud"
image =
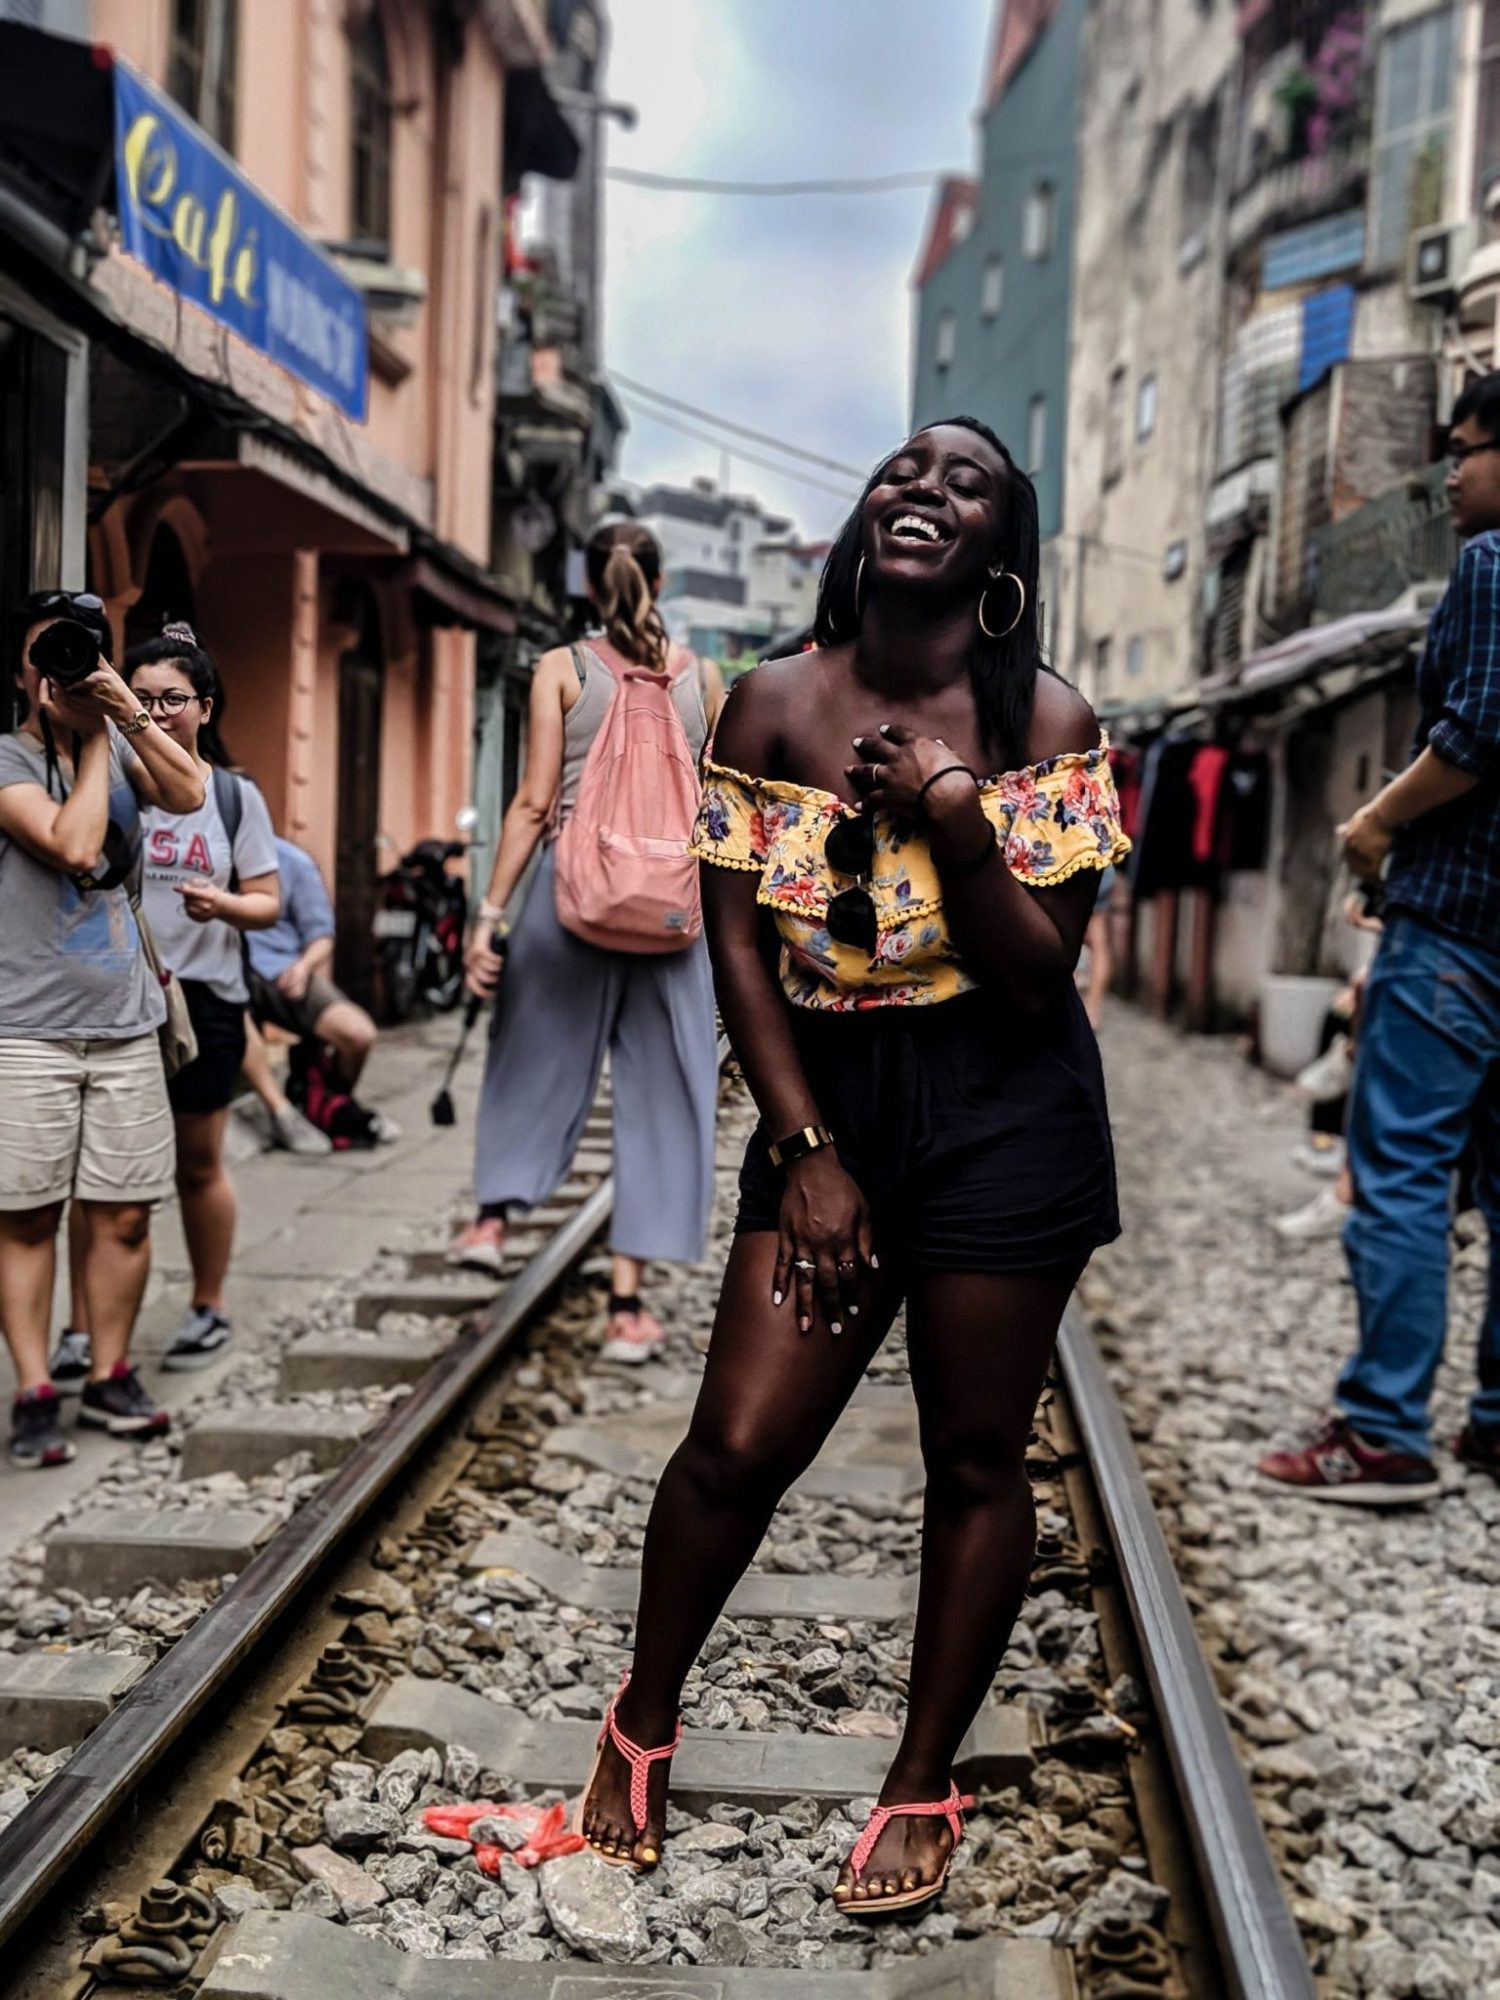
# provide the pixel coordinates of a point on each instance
(789, 314)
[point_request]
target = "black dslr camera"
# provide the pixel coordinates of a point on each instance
(66, 653)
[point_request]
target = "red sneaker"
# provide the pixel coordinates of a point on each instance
(1338, 1464)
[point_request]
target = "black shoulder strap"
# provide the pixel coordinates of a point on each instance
(230, 799)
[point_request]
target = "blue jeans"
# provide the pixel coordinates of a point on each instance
(1426, 1083)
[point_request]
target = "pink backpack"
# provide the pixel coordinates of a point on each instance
(625, 879)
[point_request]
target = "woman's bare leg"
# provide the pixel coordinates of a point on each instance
(769, 1398)
(979, 1350)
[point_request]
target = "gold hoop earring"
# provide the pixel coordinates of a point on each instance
(1005, 576)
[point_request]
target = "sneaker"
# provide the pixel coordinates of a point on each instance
(119, 1404)
(295, 1134)
(1330, 1076)
(633, 1338)
(35, 1436)
(386, 1130)
(71, 1360)
(480, 1247)
(200, 1340)
(1320, 1153)
(1338, 1464)
(1479, 1445)
(1324, 1215)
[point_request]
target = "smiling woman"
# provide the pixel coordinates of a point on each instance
(893, 941)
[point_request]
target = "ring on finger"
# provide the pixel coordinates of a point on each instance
(805, 1264)
(846, 1263)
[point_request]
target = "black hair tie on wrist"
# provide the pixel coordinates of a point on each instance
(946, 772)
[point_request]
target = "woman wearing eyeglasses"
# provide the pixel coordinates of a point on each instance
(904, 831)
(83, 1105)
(210, 876)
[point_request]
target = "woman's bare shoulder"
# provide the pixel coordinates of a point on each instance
(1061, 721)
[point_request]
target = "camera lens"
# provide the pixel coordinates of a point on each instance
(66, 653)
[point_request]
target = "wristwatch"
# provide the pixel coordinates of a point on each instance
(139, 721)
(811, 1139)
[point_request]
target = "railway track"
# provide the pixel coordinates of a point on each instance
(442, 1617)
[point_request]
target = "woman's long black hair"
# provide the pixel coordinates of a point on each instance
(178, 647)
(1003, 671)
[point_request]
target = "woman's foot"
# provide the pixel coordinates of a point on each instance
(907, 1862)
(634, 1334)
(623, 1814)
(480, 1247)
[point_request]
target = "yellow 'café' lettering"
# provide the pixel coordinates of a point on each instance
(151, 176)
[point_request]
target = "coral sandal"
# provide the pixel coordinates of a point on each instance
(951, 1808)
(640, 1762)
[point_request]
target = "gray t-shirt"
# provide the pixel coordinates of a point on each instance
(180, 846)
(73, 965)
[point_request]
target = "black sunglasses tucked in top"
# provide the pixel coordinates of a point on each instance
(850, 850)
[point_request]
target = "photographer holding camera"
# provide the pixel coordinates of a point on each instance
(83, 1100)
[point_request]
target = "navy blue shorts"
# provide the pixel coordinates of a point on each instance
(978, 1135)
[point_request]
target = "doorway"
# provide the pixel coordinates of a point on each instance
(356, 860)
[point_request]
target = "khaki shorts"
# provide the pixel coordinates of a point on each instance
(84, 1118)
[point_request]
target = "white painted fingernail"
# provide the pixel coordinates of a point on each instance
(805, 1324)
(874, 1262)
(854, 1312)
(836, 1326)
(776, 1298)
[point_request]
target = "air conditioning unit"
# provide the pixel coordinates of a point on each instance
(1436, 261)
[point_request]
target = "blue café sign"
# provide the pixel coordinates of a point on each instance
(189, 215)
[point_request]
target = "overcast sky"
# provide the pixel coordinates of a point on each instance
(792, 315)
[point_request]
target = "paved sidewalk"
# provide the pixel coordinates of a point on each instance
(304, 1226)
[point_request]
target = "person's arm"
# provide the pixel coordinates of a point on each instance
(1463, 746)
(315, 958)
(1424, 786)
(70, 835)
(714, 694)
(824, 1220)
(254, 906)
(161, 772)
(1023, 940)
(528, 813)
(305, 906)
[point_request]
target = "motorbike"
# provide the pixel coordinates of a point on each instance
(419, 929)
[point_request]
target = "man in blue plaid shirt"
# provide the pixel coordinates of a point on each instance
(1427, 1079)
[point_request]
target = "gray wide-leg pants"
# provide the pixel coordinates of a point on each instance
(562, 1004)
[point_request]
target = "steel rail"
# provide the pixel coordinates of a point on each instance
(1261, 1952)
(69, 1814)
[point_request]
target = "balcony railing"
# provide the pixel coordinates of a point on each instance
(1368, 559)
(1295, 191)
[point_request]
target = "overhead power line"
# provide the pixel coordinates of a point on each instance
(691, 184)
(736, 451)
(740, 430)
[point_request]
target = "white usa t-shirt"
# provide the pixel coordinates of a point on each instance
(179, 847)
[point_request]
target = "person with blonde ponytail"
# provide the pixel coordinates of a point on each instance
(564, 1002)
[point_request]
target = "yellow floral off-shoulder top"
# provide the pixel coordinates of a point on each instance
(1050, 819)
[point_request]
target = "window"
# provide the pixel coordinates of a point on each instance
(1135, 658)
(1036, 435)
(1145, 409)
(1102, 650)
(1037, 226)
(369, 133)
(201, 64)
(1413, 105)
(992, 293)
(1114, 428)
(947, 338)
